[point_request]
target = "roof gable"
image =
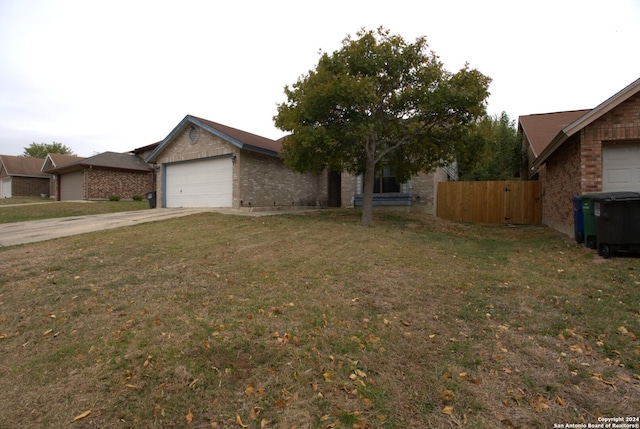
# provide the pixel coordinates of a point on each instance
(586, 119)
(56, 160)
(241, 139)
(540, 129)
(22, 166)
(120, 161)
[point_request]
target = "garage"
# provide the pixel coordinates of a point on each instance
(71, 186)
(201, 183)
(5, 187)
(621, 167)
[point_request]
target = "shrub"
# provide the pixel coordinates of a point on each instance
(114, 197)
(138, 197)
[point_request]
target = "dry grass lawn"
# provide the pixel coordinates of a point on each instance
(311, 321)
(20, 210)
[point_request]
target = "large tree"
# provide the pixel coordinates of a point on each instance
(498, 153)
(41, 150)
(379, 101)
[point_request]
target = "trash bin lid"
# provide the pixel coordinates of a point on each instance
(614, 196)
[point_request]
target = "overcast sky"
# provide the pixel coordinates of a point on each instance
(121, 74)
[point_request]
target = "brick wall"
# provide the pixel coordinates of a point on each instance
(560, 179)
(29, 186)
(265, 181)
(617, 126)
(425, 186)
(102, 183)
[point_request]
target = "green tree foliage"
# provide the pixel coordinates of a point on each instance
(497, 154)
(41, 150)
(379, 100)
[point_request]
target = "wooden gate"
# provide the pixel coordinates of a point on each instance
(499, 202)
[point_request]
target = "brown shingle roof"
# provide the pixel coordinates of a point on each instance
(245, 137)
(541, 129)
(121, 161)
(22, 166)
(61, 160)
(241, 139)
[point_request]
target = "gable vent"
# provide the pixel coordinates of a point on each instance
(194, 133)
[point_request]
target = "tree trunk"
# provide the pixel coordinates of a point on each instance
(367, 193)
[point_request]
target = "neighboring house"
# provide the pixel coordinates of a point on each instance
(56, 160)
(206, 164)
(101, 176)
(584, 151)
(22, 177)
(144, 151)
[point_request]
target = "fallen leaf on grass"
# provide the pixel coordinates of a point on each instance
(82, 416)
(539, 403)
(599, 377)
(255, 413)
(189, 417)
(249, 390)
(359, 424)
(560, 401)
(504, 420)
(624, 378)
(239, 422)
(447, 395)
(448, 410)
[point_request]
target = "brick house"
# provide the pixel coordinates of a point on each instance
(22, 177)
(206, 164)
(56, 160)
(101, 176)
(584, 151)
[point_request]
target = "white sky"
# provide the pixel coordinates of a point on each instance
(120, 74)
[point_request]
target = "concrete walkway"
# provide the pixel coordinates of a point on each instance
(15, 233)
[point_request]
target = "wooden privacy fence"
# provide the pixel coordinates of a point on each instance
(499, 202)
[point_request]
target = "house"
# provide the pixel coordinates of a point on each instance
(100, 176)
(22, 177)
(56, 160)
(206, 164)
(420, 193)
(584, 151)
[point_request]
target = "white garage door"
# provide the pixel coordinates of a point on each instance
(5, 187)
(621, 168)
(205, 183)
(71, 186)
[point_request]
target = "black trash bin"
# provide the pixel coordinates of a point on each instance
(578, 219)
(151, 196)
(617, 226)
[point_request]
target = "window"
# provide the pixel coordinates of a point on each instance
(385, 181)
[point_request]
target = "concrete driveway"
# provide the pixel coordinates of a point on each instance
(41, 230)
